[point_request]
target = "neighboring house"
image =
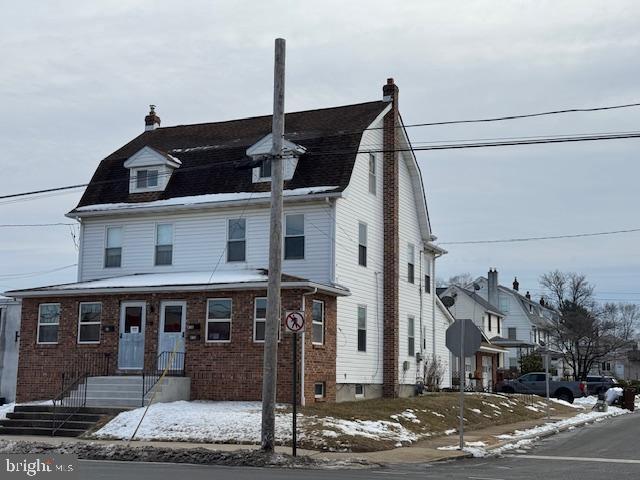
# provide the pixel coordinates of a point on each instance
(489, 319)
(527, 324)
(623, 364)
(174, 231)
(9, 342)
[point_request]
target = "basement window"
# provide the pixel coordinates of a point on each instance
(319, 390)
(359, 390)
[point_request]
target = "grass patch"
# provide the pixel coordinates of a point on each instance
(381, 424)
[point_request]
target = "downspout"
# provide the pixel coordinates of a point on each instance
(304, 310)
(433, 303)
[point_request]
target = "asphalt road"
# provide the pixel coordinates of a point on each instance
(605, 450)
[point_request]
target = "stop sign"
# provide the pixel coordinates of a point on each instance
(471, 341)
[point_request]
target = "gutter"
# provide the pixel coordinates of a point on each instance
(199, 206)
(66, 292)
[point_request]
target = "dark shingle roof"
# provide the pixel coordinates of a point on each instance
(214, 148)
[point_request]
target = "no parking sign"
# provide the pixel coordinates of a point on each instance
(294, 321)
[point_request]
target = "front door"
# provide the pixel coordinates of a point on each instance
(487, 374)
(173, 317)
(131, 346)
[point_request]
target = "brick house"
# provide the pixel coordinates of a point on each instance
(174, 246)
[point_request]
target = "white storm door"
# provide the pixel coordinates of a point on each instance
(131, 344)
(173, 319)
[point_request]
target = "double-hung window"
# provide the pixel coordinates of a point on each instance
(362, 244)
(411, 263)
(164, 244)
(113, 248)
(89, 322)
(317, 315)
(236, 240)
(219, 319)
(372, 173)
(362, 328)
(48, 322)
(427, 275)
(512, 333)
(411, 336)
(259, 319)
(146, 179)
(294, 237)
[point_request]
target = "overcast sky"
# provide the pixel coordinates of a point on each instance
(76, 79)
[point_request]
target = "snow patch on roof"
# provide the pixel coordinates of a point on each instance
(201, 199)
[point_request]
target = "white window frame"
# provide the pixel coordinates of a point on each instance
(48, 324)
(218, 320)
(261, 169)
(256, 319)
(314, 322)
(362, 225)
(237, 240)
(411, 335)
(373, 174)
(304, 235)
(146, 187)
(324, 390)
(366, 321)
(80, 323)
(106, 245)
(411, 260)
(155, 249)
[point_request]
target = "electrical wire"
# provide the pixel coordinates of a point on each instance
(532, 239)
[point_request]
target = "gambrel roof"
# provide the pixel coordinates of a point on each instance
(210, 154)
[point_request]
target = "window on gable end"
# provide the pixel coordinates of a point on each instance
(372, 174)
(411, 263)
(362, 244)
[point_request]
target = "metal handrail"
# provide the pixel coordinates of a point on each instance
(72, 394)
(171, 362)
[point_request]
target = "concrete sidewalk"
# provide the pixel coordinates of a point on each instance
(420, 452)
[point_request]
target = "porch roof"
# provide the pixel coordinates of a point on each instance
(253, 279)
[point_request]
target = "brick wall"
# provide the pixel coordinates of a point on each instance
(391, 266)
(218, 371)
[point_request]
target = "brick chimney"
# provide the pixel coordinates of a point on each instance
(516, 284)
(492, 287)
(151, 121)
(391, 263)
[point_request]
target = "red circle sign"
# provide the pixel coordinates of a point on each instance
(295, 321)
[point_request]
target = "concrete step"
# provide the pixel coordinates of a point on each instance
(63, 432)
(49, 417)
(83, 410)
(114, 402)
(74, 425)
(113, 393)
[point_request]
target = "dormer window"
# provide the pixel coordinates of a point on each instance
(146, 179)
(150, 170)
(262, 151)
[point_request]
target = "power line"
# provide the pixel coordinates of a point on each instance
(20, 225)
(17, 276)
(532, 239)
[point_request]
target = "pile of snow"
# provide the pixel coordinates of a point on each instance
(216, 422)
(373, 429)
(7, 408)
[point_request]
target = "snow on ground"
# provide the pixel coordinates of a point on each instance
(222, 422)
(373, 429)
(523, 438)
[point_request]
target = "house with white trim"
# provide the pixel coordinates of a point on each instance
(174, 238)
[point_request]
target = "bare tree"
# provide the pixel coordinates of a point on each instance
(584, 331)
(460, 280)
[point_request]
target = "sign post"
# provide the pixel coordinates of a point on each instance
(295, 324)
(463, 340)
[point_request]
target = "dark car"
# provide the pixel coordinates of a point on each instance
(599, 384)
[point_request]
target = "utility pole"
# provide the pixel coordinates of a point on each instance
(270, 367)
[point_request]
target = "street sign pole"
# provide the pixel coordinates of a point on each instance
(546, 375)
(294, 398)
(462, 382)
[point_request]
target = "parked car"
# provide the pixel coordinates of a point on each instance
(600, 384)
(534, 383)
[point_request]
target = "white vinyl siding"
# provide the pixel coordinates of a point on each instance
(200, 240)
